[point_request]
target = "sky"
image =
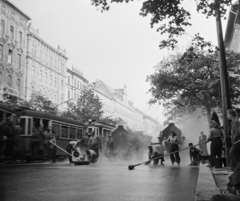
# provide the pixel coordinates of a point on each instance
(118, 47)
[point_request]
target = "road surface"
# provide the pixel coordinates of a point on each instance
(103, 181)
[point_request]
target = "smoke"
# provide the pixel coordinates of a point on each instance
(191, 126)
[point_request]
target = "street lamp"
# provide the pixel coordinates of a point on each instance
(62, 103)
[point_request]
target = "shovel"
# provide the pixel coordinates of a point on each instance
(79, 162)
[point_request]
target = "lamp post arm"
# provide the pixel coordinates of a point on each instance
(62, 103)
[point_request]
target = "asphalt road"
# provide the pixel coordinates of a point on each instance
(97, 182)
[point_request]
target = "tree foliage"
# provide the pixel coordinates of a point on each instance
(115, 122)
(37, 102)
(41, 103)
(88, 106)
(192, 80)
(171, 16)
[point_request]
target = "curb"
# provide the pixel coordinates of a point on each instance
(206, 186)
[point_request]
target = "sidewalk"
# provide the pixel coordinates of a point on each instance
(212, 185)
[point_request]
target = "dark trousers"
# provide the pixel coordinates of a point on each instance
(69, 150)
(156, 161)
(174, 157)
(35, 146)
(234, 155)
(53, 153)
(216, 149)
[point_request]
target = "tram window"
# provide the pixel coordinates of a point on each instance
(1, 115)
(22, 124)
(72, 133)
(64, 132)
(79, 133)
(105, 132)
(36, 122)
(29, 126)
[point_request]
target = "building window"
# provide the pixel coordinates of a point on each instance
(51, 61)
(75, 96)
(1, 52)
(55, 99)
(68, 94)
(18, 84)
(33, 71)
(2, 26)
(41, 55)
(55, 82)
(50, 79)
(20, 38)
(77, 84)
(46, 77)
(74, 82)
(11, 32)
(62, 84)
(46, 58)
(40, 75)
(50, 97)
(9, 81)
(10, 52)
(19, 61)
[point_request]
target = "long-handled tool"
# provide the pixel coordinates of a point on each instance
(236, 142)
(79, 162)
(131, 167)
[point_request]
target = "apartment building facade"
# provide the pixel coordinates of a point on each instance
(45, 68)
(13, 46)
(74, 83)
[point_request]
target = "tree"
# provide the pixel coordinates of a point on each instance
(88, 106)
(115, 122)
(14, 101)
(191, 80)
(172, 16)
(41, 103)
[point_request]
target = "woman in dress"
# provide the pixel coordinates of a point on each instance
(203, 147)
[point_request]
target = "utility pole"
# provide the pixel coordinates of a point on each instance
(226, 103)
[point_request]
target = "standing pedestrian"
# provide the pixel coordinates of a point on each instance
(52, 147)
(203, 147)
(17, 132)
(235, 136)
(35, 142)
(215, 136)
(109, 147)
(173, 147)
(3, 138)
(46, 135)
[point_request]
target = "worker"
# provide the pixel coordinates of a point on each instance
(91, 155)
(72, 146)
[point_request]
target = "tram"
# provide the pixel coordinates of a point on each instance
(7, 113)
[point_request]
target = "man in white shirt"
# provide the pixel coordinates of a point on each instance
(72, 145)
